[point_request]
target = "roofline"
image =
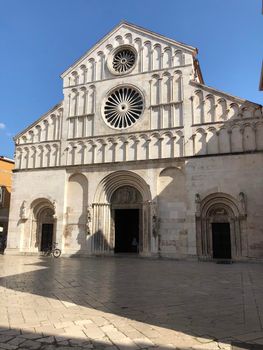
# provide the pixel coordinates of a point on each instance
(193, 50)
(198, 70)
(37, 121)
(6, 159)
(241, 100)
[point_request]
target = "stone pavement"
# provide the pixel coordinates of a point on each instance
(128, 303)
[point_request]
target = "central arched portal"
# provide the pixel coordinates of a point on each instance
(126, 207)
(122, 212)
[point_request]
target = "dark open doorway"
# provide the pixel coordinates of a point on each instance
(126, 230)
(221, 241)
(46, 237)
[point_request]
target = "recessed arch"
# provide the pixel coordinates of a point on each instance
(117, 179)
(219, 226)
(43, 223)
(103, 240)
(77, 204)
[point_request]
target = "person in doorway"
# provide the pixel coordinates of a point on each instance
(134, 245)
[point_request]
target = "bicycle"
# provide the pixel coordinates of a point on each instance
(53, 251)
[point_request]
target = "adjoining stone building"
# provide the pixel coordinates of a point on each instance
(140, 156)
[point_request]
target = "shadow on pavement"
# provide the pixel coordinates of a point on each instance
(206, 301)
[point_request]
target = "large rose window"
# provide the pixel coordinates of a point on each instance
(123, 107)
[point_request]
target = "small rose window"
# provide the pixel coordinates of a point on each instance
(122, 60)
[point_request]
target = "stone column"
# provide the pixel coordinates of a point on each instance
(101, 232)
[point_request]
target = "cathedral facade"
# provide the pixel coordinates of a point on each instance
(140, 157)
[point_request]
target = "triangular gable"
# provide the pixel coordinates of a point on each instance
(53, 109)
(140, 30)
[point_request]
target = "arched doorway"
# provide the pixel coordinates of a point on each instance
(126, 206)
(46, 226)
(116, 196)
(43, 224)
(220, 221)
(219, 227)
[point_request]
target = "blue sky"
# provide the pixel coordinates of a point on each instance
(41, 38)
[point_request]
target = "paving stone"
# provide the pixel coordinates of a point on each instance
(46, 340)
(93, 331)
(81, 342)
(4, 338)
(27, 335)
(8, 346)
(143, 342)
(63, 342)
(30, 344)
(17, 341)
(83, 322)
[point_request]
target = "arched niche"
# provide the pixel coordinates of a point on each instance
(200, 142)
(77, 192)
(167, 57)
(224, 140)
(219, 226)
(171, 185)
(209, 109)
(221, 110)
(249, 138)
(178, 58)
(177, 86)
(212, 141)
(198, 107)
(236, 139)
(77, 197)
(166, 88)
(147, 56)
(172, 199)
(155, 89)
(157, 54)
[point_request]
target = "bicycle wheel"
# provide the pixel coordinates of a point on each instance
(56, 253)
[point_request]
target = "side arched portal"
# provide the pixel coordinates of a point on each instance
(118, 193)
(219, 227)
(43, 224)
